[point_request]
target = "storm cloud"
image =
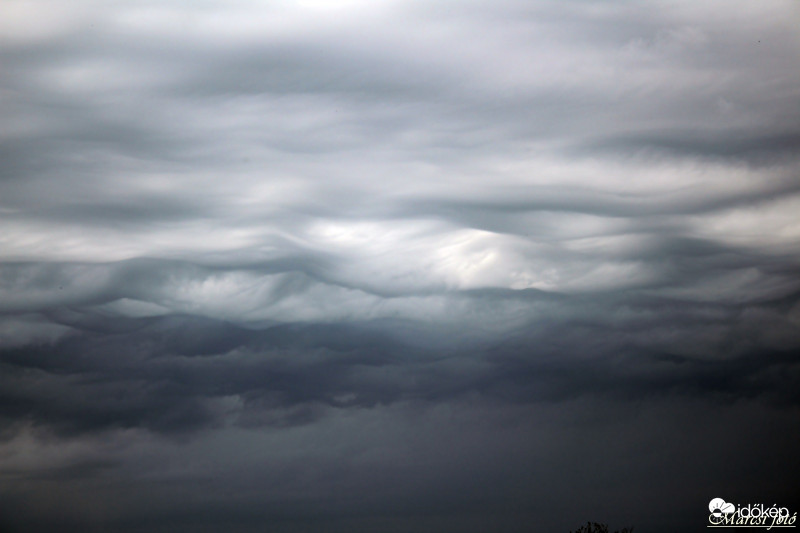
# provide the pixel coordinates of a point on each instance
(397, 266)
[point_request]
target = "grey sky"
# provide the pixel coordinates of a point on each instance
(396, 266)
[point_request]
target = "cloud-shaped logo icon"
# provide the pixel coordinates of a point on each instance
(718, 507)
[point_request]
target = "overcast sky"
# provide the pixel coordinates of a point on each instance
(397, 266)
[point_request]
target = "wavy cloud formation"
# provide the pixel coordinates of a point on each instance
(396, 266)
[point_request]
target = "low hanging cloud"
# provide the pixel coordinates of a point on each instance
(394, 266)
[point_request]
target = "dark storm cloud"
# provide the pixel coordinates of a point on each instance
(427, 266)
(166, 373)
(772, 148)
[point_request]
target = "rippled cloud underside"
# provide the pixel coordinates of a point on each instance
(397, 266)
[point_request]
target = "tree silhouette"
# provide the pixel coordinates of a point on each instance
(594, 527)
